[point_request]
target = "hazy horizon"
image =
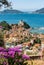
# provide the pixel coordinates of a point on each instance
(26, 5)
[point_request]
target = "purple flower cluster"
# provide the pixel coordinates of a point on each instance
(13, 55)
(25, 57)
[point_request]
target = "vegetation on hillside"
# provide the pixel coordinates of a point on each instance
(37, 41)
(1, 39)
(5, 25)
(26, 25)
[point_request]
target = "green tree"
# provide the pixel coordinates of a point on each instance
(26, 25)
(1, 39)
(5, 25)
(37, 40)
(5, 3)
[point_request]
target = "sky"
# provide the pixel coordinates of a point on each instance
(27, 5)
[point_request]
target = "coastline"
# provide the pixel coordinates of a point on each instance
(34, 20)
(37, 30)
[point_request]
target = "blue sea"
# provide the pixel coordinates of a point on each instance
(34, 20)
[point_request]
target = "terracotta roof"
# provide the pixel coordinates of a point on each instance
(37, 45)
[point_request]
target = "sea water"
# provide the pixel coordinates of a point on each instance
(34, 20)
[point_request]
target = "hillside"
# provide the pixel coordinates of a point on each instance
(5, 25)
(40, 10)
(11, 11)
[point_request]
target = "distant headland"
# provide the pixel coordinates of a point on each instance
(39, 11)
(18, 11)
(11, 11)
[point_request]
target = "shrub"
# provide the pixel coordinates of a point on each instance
(14, 56)
(1, 39)
(5, 25)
